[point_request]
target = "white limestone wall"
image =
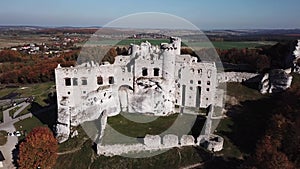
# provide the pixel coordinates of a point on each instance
(149, 65)
(176, 44)
(170, 140)
(194, 76)
(168, 74)
(156, 142)
(211, 142)
(225, 77)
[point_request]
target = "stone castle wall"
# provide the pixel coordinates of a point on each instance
(156, 142)
(148, 80)
(225, 77)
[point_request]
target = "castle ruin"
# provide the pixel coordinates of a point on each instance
(149, 80)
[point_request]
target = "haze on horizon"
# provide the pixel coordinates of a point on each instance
(208, 14)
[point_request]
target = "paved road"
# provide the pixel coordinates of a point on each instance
(9, 146)
(23, 106)
(12, 141)
(6, 117)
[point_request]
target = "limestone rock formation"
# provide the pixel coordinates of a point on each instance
(276, 80)
(297, 58)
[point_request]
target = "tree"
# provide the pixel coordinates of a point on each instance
(38, 150)
(110, 56)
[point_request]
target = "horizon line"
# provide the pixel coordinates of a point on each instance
(73, 26)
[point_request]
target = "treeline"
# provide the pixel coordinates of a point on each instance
(31, 69)
(280, 146)
(53, 31)
(16, 67)
(279, 56)
(252, 57)
(10, 56)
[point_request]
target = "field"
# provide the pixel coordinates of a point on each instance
(7, 41)
(221, 45)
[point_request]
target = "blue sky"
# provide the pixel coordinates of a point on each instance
(206, 14)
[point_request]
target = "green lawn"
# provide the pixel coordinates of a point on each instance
(243, 93)
(24, 111)
(127, 129)
(296, 79)
(6, 91)
(229, 149)
(73, 143)
(3, 137)
(79, 159)
(174, 158)
(27, 125)
(241, 128)
(135, 129)
(40, 91)
(12, 111)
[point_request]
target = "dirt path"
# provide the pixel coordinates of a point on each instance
(192, 166)
(74, 150)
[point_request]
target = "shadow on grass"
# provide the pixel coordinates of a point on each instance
(249, 121)
(224, 163)
(197, 127)
(253, 83)
(46, 114)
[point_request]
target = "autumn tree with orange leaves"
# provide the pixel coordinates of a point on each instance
(38, 150)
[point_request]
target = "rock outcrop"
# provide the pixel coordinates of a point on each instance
(297, 58)
(276, 80)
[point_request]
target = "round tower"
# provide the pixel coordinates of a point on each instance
(176, 42)
(168, 56)
(133, 50)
